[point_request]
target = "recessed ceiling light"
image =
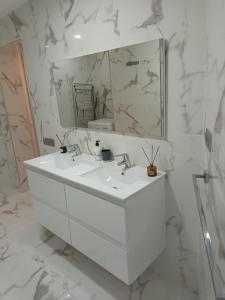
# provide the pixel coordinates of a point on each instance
(207, 236)
(77, 36)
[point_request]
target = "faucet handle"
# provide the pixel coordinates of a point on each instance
(126, 158)
(74, 148)
(125, 161)
(78, 149)
(124, 155)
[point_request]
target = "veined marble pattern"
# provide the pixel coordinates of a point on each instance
(35, 264)
(213, 194)
(92, 69)
(19, 125)
(8, 167)
(47, 28)
(22, 275)
(136, 89)
(127, 87)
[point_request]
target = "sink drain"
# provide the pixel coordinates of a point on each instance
(115, 187)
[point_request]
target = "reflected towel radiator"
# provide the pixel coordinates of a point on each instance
(83, 95)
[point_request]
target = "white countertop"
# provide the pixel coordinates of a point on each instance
(107, 183)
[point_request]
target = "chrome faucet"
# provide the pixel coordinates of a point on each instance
(126, 162)
(75, 150)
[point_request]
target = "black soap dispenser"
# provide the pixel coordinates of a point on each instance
(97, 151)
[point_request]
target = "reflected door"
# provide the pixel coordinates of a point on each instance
(17, 104)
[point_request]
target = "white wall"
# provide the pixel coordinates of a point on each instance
(213, 194)
(8, 167)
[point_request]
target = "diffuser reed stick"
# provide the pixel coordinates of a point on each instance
(151, 169)
(152, 155)
(155, 155)
(59, 139)
(146, 155)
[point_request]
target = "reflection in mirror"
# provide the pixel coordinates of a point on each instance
(120, 90)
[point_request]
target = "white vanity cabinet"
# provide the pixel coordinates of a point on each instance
(123, 240)
(103, 216)
(49, 203)
(121, 230)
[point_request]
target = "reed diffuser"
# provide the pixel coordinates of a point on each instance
(63, 148)
(151, 168)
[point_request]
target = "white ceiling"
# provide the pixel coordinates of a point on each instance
(6, 6)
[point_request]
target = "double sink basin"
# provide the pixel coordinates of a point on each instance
(84, 170)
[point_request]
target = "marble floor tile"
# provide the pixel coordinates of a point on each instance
(22, 278)
(35, 264)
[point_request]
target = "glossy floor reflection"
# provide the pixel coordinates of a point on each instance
(35, 264)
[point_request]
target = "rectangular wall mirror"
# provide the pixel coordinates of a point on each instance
(121, 90)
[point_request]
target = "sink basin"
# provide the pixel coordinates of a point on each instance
(63, 163)
(102, 178)
(110, 175)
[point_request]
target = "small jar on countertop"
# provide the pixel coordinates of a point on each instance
(152, 170)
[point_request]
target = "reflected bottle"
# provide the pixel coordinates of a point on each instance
(97, 151)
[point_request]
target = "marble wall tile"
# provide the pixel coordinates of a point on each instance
(136, 90)
(14, 93)
(47, 29)
(8, 167)
(213, 194)
(92, 70)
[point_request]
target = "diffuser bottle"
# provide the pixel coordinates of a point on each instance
(152, 170)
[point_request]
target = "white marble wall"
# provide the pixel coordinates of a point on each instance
(137, 107)
(213, 194)
(8, 167)
(47, 29)
(93, 70)
(20, 123)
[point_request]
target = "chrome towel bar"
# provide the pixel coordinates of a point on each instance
(216, 279)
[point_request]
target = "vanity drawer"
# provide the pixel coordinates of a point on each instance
(98, 213)
(106, 254)
(47, 190)
(52, 220)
